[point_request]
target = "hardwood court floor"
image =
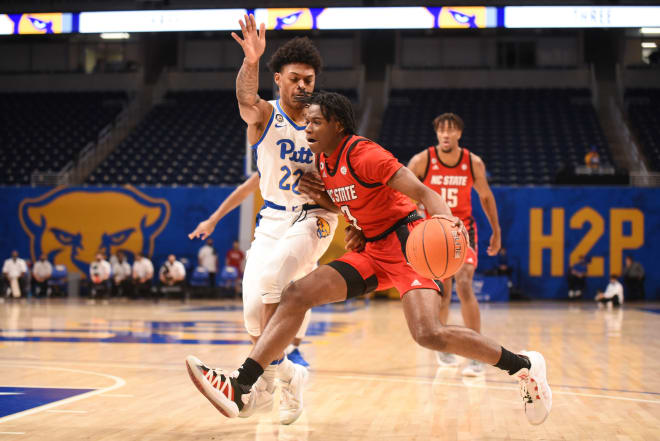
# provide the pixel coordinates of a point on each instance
(116, 372)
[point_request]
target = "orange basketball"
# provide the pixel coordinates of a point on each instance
(436, 248)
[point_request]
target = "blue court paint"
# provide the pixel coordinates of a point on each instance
(18, 399)
(157, 332)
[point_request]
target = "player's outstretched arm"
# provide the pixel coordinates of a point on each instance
(205, 228)
(253, 109)
(487, 203)
(407, 183)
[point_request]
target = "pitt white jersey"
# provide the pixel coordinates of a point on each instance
(282, 157)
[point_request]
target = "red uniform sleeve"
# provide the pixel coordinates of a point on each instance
(372, 164)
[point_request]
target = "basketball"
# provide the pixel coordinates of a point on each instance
(436, 248)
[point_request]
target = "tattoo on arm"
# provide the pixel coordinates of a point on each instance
(247, 84)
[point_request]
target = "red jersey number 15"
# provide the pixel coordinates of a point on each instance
(450, 195)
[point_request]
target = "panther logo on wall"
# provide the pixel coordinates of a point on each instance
(70, 225)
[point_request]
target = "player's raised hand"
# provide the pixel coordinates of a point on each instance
(312, 185)
(253, 41)
(203, 230)
(354, 239)
(494, 245)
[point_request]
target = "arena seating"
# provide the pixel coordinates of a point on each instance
(191, 138)
(644, 113)
(44, 131)
(525, 136)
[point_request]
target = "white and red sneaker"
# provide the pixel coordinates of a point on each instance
(534, 388)
(224, 392)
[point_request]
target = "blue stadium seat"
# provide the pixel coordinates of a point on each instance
(521, 134)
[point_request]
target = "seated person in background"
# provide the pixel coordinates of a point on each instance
(503, 268)
(99, 274)
(172, 273)
(143, 272)
(13, 274)
(234, 258)
(613, 295)
(208, 259)
(41, 273)
(592, 158)
(121, 275)
(577, 277)
(633, 279)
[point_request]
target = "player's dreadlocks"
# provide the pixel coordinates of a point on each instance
(334, 105)
(297, 50)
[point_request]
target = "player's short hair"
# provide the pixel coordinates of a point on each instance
(334, 105)
(297, 50)
(451, 118)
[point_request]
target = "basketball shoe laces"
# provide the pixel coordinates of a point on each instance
(224, 385)
(524, 392)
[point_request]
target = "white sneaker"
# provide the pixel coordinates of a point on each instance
(446, 359)
(291, 395)
(221, 390)
(534, 388)
(261, 399)
(473, 369)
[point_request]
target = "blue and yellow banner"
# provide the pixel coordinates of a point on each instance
(545, 230)
(70, 225)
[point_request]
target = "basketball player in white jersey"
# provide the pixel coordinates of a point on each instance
(293, 231)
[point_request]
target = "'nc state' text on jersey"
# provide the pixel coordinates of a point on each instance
(287, 147)
(342, 194)
(449, 180)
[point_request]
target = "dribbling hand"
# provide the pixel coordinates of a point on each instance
(354, 240)
(457, 223)
(311, 185)
(253, 41)
(203, 230)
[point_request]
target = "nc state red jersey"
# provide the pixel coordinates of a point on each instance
(452, 182)
(355, 177)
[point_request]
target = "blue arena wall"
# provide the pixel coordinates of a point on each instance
(542, 228)
(545, 228)
(70, 224)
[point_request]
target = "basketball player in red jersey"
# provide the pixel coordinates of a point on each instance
(452, 171)
(372, 189)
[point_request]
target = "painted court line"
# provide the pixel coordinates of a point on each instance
(12, 433)
(118, 382)
(483, 386)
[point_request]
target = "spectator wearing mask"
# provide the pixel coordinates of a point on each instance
(41, 274)
(172, 274)
(99, 273)
(143, 273)
(613, 295)
(208, 259)
(121, 275)
(13, 273)
(633, 279)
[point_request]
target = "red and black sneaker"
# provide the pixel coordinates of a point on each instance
(224, 392)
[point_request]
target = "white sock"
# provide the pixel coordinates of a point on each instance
(289, 349)
(285, 370)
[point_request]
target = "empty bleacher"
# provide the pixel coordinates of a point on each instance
(191, 138)
(644, 114)
(525, 136)
(44, 131)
